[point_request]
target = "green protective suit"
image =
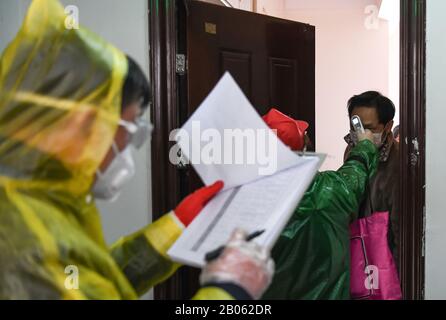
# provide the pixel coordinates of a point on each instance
(60, 102)
(312, 254)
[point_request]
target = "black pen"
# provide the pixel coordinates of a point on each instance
(212, 255)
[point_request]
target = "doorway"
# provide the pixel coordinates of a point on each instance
(170, 108)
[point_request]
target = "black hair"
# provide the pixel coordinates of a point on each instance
(136, 86)
(373, 99)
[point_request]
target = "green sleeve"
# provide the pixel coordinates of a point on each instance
(312, 253)
(349, 183)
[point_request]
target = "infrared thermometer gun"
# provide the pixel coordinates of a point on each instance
(357, 124)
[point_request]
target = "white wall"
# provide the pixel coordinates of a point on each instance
(268, 7)
(125, 24)
(350, 59)
(435, 151)
(390, 10)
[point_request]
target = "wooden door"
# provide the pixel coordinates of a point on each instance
(273, 60)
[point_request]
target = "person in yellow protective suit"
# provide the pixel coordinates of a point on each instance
(70, 106)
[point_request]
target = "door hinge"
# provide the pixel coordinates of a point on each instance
(181, 64)
(416, 152)
(183, 163)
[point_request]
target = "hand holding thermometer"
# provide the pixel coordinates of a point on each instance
(212, 255)
(357, 124)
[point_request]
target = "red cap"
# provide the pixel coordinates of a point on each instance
(290, 131)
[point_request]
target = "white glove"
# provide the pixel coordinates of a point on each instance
(367, 135)
(243, 263)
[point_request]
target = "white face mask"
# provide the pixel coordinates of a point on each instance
(109, 184)
(377, 138)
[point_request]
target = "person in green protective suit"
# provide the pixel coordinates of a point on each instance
(312, 254)
(71, 105)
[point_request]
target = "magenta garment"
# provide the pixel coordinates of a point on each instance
(373, 273)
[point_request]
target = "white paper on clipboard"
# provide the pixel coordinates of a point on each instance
(249, 201)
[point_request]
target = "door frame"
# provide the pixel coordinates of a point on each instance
(412, 159)
(165, 43)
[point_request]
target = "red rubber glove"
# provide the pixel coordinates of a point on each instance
(191, 206)
(290, 131)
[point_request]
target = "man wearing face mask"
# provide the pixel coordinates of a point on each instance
(71, 105)
(376, 113)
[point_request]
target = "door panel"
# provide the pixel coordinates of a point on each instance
(239, 65)
(283, 83)
(273, 60)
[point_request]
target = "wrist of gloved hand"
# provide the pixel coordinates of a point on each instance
(367, 135)
(242, 263)
(236, 291)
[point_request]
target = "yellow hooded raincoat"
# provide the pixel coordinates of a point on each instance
(60, 95)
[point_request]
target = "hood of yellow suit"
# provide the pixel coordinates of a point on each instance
(60, 97)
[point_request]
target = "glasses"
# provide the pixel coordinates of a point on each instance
(139, 130)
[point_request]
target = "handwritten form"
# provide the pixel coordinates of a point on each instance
(249, 201)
